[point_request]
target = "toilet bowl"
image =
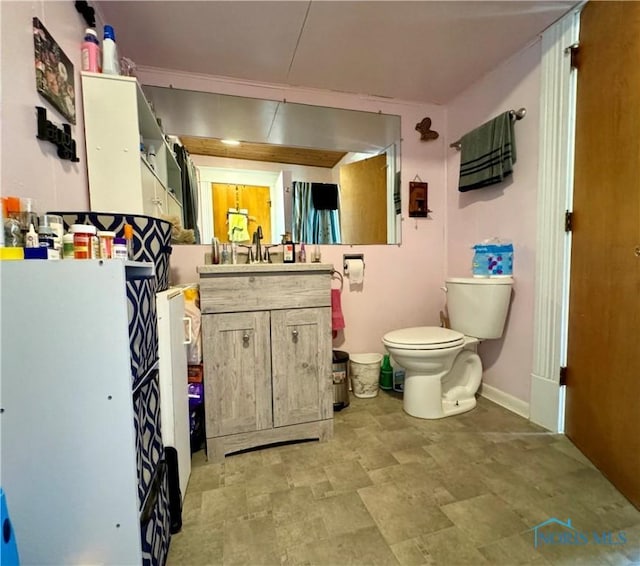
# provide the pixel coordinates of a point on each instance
(443, 369)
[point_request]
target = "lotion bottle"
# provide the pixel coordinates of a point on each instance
(90, 51)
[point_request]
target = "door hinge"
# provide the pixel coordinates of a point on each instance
(568, 221)
(574, 52)
(563, 375)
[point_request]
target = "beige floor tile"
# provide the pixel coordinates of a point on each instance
(450, 546)
(408, 553)
(364, 547)
(294, 506)
(200, 545)
(224, 503)
(299, 477)
(399, 515)
(513, 550)
(205, 477)
(348, 476)
(251, 542)
(344, 514)
(484, 519)
(375, 458)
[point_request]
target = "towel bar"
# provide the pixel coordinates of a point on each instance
(515, 115)
(336, 272)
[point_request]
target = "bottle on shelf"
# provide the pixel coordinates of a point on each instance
(128, 235)
(110, 61)
(288, 249)
(302, 254)
(90, 51)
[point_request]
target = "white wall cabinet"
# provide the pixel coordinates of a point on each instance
(116, 115)
(266, 354)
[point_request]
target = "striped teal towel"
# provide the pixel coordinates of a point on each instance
(488, 154)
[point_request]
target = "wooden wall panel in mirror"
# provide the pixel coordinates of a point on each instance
(283, 143)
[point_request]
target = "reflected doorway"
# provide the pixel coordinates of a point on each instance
(255, 199)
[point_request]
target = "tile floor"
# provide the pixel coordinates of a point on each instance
(392, 489)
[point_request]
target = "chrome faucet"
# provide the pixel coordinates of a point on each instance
(257, 236)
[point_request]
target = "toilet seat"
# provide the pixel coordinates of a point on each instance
(424, 338)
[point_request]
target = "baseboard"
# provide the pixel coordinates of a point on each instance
(513, 404)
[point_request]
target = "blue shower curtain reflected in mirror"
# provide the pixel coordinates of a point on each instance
(310, 225)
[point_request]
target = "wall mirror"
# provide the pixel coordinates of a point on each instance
(288, 154)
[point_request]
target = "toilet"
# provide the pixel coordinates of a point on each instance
(443, 369)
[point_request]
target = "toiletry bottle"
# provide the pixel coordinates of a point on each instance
(302, 254)
(31, 239)
(215, 251)
(90, 51)
(234, 253)
(128, 235)
(110, 61)
(317, 258)
(288, 249)
(224, 255)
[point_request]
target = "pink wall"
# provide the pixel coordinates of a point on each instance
(401, 283)
(30, 167)
(401, 286)
(507, 210)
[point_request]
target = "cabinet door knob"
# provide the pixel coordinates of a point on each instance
(245, 338)
(637, 251)
(294, 333)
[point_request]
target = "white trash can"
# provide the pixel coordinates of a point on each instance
(365, 374)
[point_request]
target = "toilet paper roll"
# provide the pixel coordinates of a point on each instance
(355, 270)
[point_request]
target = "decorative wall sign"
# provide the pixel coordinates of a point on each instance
(426, 133)
(418, 199)
(61, 138)
(54, 72)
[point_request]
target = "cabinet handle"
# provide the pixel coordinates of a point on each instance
(294, 333)
(245, 338)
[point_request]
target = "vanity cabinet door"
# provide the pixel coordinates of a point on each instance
(301, 365)
(237, 377)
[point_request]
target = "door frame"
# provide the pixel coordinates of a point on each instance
(553, 244)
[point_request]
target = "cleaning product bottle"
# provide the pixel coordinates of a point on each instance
(90, 51)
(110, 61)
(386, 373)
(288, 249)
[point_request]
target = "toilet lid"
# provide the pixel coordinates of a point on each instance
(427, 337)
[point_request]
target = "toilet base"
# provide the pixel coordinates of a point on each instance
(446, 393)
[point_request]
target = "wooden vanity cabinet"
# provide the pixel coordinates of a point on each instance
(266, 354)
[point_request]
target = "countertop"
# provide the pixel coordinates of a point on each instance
(243, 268)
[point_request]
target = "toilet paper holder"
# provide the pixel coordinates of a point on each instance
(345, 265)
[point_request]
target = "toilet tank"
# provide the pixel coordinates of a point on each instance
(478, 307)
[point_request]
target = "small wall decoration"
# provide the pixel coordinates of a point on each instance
(54, 72)
(418, 199)
(61, 138)
(426, 133)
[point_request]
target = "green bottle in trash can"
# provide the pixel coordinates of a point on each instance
(386, 373)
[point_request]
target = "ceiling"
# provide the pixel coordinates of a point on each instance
(426, 51)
